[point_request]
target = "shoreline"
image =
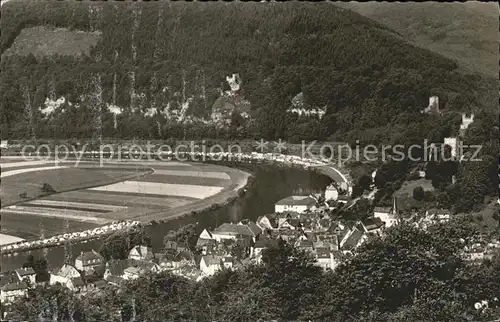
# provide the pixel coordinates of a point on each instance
(225, 197)
(240, 181)
(9, 239)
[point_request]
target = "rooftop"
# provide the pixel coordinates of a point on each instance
(266, 242)
(25, 271)
(353, 240)
(373, 223)
(14, 287)
(211, 260)
(382, 209)
(233, 229)
(88, 257)
(297, 201)
(117, 266)
(322, 252)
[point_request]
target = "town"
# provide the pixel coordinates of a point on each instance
(308, 222)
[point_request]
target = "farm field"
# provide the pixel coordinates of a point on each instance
(118, 191)
(61, 179)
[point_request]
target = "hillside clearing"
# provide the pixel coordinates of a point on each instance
(44, 41)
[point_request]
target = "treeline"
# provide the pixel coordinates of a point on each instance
(372, 84)
(410, 275)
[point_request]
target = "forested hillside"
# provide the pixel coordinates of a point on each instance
(176, 56)
(464, 31)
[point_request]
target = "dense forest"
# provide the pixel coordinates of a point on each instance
(410, 275)
(158, 54)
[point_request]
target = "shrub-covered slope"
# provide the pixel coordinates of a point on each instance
(176, 56)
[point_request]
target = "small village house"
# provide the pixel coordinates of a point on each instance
(373, 225)
(325, 259)
(265, 223)
(67, 276)
(354, 239)
(343, 199)
(170, 261)
(298, 204)
(141, 253)
(89, 261)
(210, 264)
(116, 268)
(12, 291)
(262, 244)
(331, 193)
(26, 274)
(235, 231)
(132, 273)
(228, 262)
(139, 268)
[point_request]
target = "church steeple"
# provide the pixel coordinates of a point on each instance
(394, 206)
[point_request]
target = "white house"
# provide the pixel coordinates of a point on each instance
(87, 261)
(297, 204)
(140, 253)
(228, 262)
(210, 264)
(65, 275)
(325, 259)
(235, 231)
(331, 193)
(132, 272)
(264, 223)
(11, 291)
(26, 273)
(373, 225)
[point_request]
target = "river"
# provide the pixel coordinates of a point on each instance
(270, 184)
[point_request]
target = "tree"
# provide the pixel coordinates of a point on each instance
(118, 245)
(47, 188)
(418, 193)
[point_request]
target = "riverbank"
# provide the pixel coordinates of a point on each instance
(265, 185)
(8, 239)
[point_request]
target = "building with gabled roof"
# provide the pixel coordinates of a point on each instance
(354, 240)
(264, 222)
(325, 259)
(306, 245)
(116, 267)
(26, 273)
(12, 291)
(65, 275)
(253, 227)
(141, 253)
(235, 231)
(210, 264)
(373, 225)
(89, 260)
(298, 204)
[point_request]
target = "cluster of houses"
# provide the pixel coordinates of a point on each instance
(91, 272)
(300, 220)
(481, 250)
